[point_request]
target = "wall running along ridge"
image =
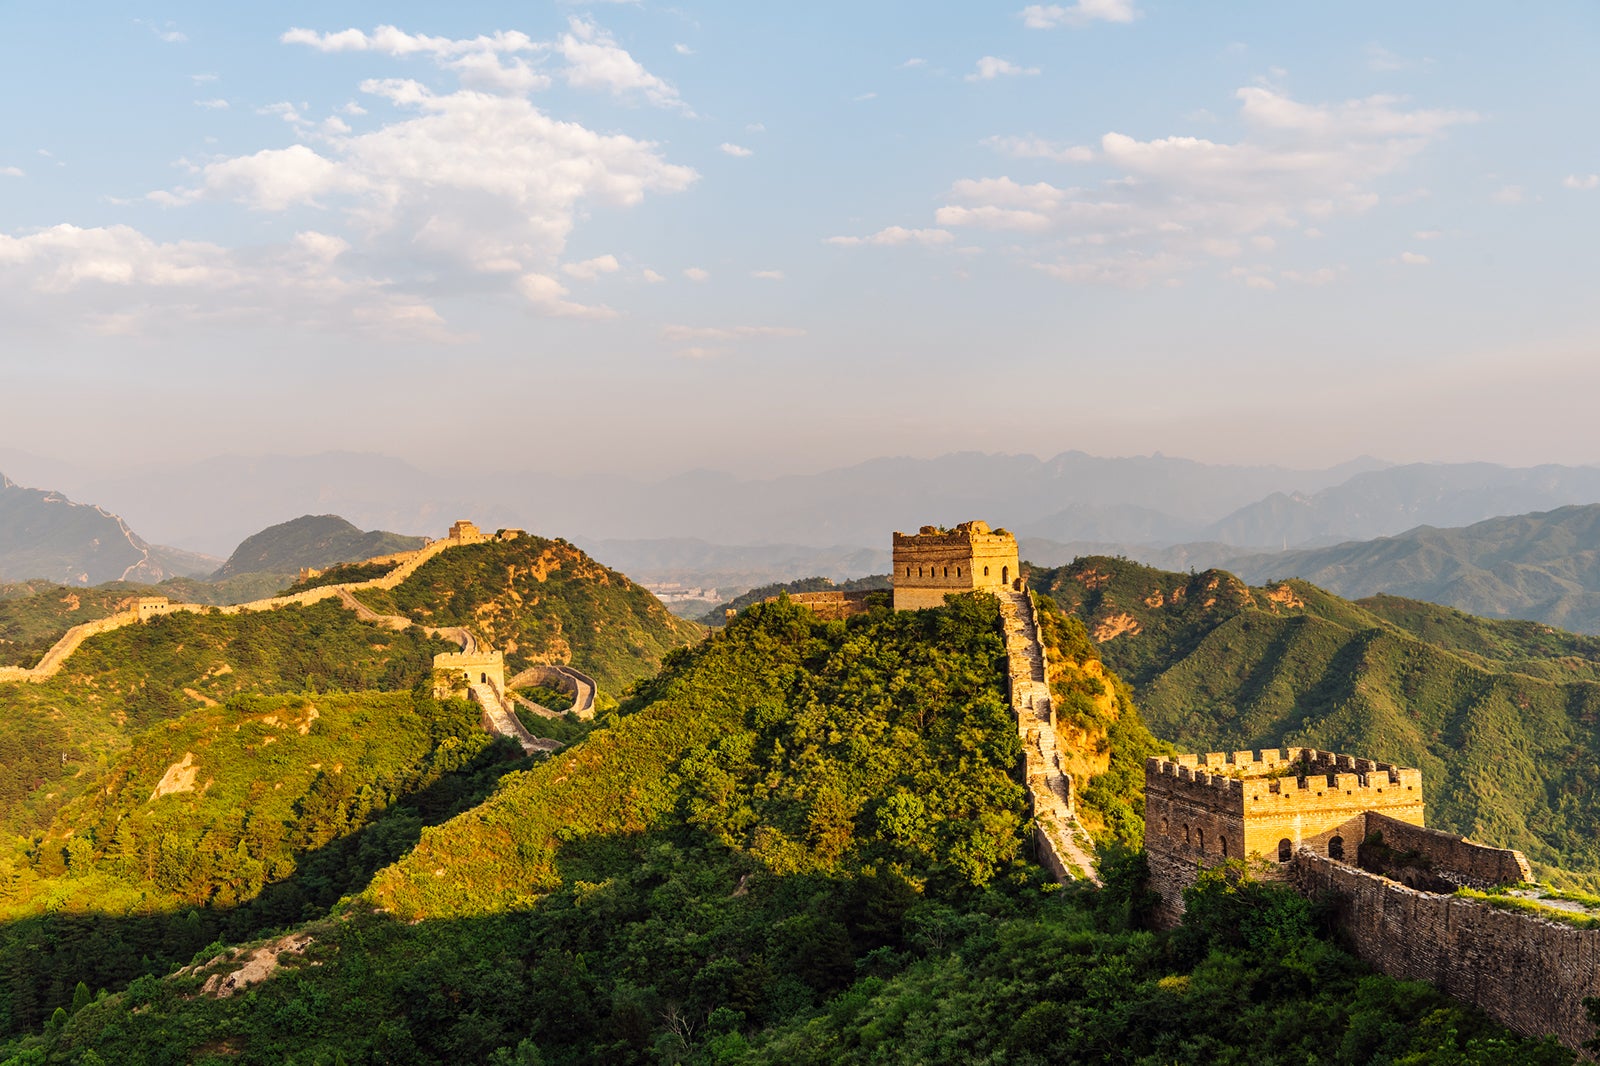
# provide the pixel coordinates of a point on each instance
(1530, 974)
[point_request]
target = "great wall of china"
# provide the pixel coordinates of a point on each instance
(499, 711)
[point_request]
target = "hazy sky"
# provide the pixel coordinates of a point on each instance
(772, 239)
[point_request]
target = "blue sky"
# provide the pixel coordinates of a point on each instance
(631, 236)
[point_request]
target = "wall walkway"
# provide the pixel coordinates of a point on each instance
(1049, 787)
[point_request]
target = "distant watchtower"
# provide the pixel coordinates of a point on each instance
(1201, 810)
(933, 562)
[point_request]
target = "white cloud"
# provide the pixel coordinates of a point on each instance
(1509, 194)
(493, 62)
(591, 269)
(991, 67)
(1585, 181)
(212, 105)
(696, 274)
(1163, 206)
(202, 79)
(652, 277)
(1414, 259)
(12, 172)
(737, 151)
(767, 275)
(114, 279)
(1039, 148)
(913, 63)
(863, 97)
(548, 297)
(893, 235)
(683, 49)
(594, 60)
(1082, 13)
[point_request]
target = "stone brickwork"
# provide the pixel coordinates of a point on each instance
(1528, 973)
(455, 669)
(830, 604)
(1460, 861)
(1201, 810)
(930, 564)
(147, 607)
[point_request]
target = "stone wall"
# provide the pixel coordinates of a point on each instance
(1457, 859)
(1526, 972)
(929, 564)
(483, 667)
(830, 604)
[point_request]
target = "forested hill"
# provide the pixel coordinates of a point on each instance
(543, 601)
(801, 843)
(1544, 567)
(310, 540)
(1500, 716)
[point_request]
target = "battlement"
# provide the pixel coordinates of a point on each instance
(453, 669)
(1289, 777)
(465, 532)
(934, 562)
(151, 606)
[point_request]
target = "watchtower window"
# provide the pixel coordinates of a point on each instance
(1200, 840)
(1005, 575)
(1224, 842)
(986, 571)
(1284, 849)
(908, 571)
(1336, 847)
(947, 571)
(919, 571)
(958, 571)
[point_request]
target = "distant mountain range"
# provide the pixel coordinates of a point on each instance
(310, 540)
(45, 535)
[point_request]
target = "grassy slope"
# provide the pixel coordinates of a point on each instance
(311, 540)
(544, 601)
(1507, 757)
(64, 733)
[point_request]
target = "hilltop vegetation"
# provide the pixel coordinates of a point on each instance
(543, 601)
(1500, 716)
(800, 843)
(310, 541)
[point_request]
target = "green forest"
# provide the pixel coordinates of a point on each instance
(1500, 716)
(801, 842)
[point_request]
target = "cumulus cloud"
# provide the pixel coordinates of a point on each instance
(737, 151)
(495, 62)
(1582, 182)
(1082, 13)
(1153, 209)
(652, 276)
(696, 274)
(591, 269)
(892, 235)
(549, 297)
(12, 172)
(595, 61)
(992, 67)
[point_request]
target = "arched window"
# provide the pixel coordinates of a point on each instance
(947, 571)
(908, 571)
(1200, 840)
(1336, 847)
(1285, 849)
(1005, 575)
(958, 571)
(919, 571)
(1224, 842)
(986, 571)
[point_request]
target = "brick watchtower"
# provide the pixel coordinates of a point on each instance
(933, 562)
(1201, 810)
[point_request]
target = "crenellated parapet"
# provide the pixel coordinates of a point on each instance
(1288, 778)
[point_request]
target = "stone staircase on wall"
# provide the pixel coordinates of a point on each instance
(1049, 788)
(500, 718)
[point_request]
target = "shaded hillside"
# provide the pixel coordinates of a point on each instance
(1544, 567)
(1508, 757)
(311, 540)
(802, 843)
(45, 535)
(543, 601)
